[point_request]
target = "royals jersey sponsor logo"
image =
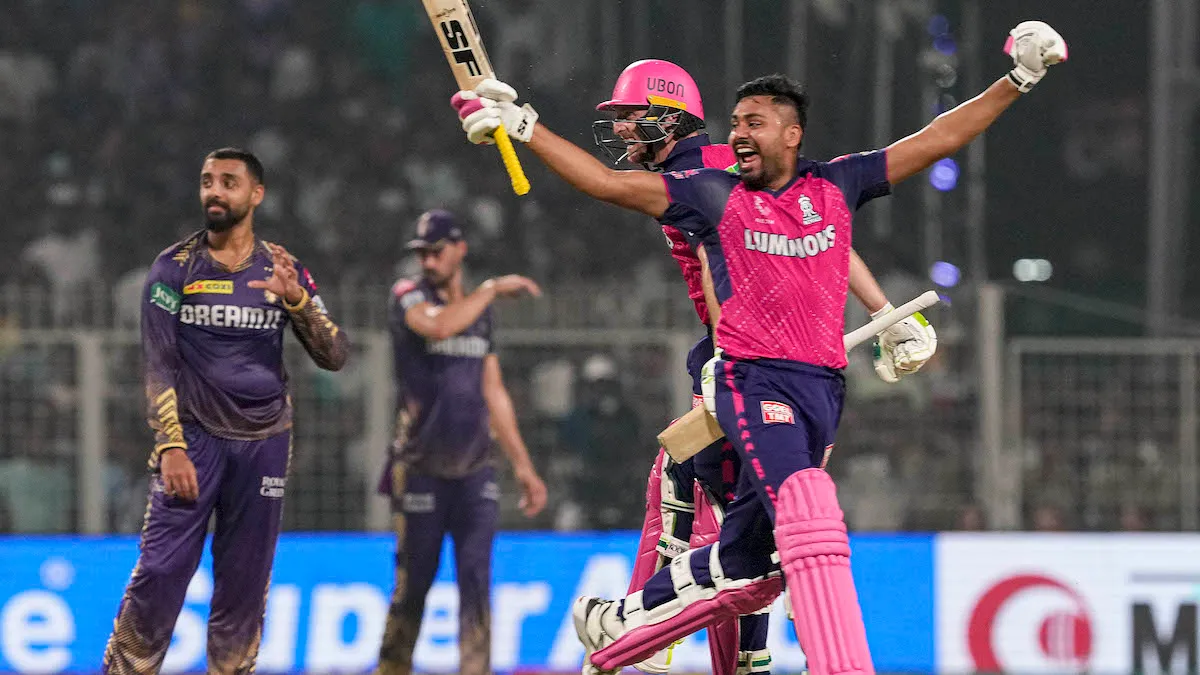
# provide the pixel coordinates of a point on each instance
(800, 247)
(209, 286)
(774, 412)
(231, 316)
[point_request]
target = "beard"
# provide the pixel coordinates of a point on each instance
(433, 277)
(226, 221)
(756, 181)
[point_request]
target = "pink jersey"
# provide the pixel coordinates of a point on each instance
(693, 153)
(780, 260)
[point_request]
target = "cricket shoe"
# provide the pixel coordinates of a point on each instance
(660, 663)
(597, 626)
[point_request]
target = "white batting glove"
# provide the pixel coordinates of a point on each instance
(708, 382)
(1034, 47)
(903, 348)
(489, 106)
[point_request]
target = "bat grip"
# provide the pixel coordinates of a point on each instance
(520, 184)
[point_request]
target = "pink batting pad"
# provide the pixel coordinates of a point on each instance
(811, 534)
(639, 643)
(645, 564)
(705, 528)
(724, 638)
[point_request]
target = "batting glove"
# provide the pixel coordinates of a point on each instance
(488, 107)
(1034, 47)
(708, 382)
(903, 348)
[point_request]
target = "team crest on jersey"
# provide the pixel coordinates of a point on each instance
(271, 297)
(810, 214)
(774, 412)
(687, 173)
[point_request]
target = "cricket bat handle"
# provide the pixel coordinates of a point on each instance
(866, 332)
(520, 184)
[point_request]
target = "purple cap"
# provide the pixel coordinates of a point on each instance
(435, 227)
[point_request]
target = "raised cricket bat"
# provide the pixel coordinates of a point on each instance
(697, 429)
(456, 30)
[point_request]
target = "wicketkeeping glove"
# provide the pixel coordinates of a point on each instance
(1034, 47)
(903, 348)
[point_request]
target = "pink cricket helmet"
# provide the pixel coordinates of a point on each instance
(656, 82)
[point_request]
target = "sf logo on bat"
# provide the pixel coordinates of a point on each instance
(460, 46)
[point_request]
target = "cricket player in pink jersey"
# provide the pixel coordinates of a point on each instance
(777, 237)
(686, 501)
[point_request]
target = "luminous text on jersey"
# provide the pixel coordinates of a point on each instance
(800, 247)
(231, 316)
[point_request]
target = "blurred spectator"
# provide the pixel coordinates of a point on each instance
(602, 430)
(971, 519)
(1133, 518)
(1048, 518)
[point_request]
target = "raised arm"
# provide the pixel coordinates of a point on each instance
(326, 343)
(438, 322)
(491, 104)
(1034, 47)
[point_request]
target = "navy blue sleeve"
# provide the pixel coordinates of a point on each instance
(861, 177)
(698, 199)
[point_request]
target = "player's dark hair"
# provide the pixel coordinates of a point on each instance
(253, 166)
(782, 89)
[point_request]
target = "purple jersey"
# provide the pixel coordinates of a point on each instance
(443, 425)
(779, 259)
(213, 346)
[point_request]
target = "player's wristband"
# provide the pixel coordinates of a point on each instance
(299, 305)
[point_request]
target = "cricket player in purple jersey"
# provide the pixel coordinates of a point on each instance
(777, 236)
(442, 474)
(215, 310)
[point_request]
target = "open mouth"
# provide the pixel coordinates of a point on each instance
(747, 157)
